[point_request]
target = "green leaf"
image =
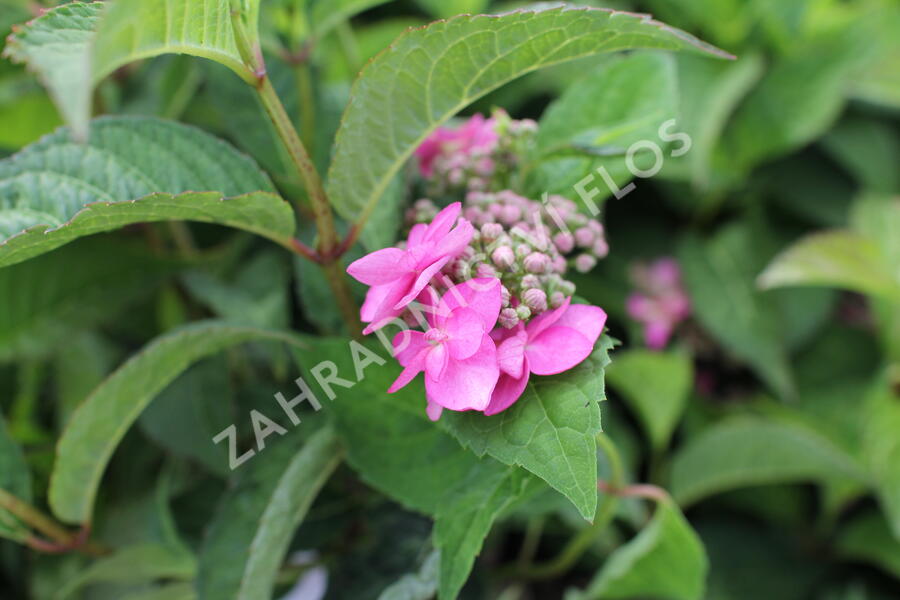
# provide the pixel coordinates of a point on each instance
(719, 276)
(745, 453)
(868, 538)
(429, 74)
(396, 449)
(131, 170)
(549, 431)
(255, 523)
(135, 564)
(622, 102)
(56, 46)
(867, 149)
(841, 259)
(101, 421)
(417, 586)
(14, 479)
(325, 15)
(464, 520)
(656, 385)
(172, 591)
(881, 447)
(665, 560)
(444, 9)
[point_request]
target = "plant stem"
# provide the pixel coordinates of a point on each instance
(63, 539)
(606, 511)
(307, 96)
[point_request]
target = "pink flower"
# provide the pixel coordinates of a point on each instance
(477, 134)
(661, 302)
(552, 342)
(398, 276)
(456, 353)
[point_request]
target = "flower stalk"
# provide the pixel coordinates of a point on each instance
(62, 540)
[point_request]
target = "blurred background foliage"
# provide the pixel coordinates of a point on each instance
(773, 418)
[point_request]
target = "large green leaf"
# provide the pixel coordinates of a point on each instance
(719, 275)
(656, 385)
(881, 447)
(131, 170)
(665, 560)
(397, 450)
(841, 259)
(746, 453)
(616, 105)
(135, 564)
(325, 15)
(56, 46)
(550, 430)
(868, 538)
(416, 586)
(429, 74)
(254, 525)
(14, 479)
(74, 46)
(101, 421)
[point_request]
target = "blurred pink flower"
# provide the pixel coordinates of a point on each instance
(476, 134)
(660, 303)
(553, 342)
(456, 353)
(398, 276)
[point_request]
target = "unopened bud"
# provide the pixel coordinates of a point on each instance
(490, 232)
(536, 262)
(585, 262)
(530, 281)
(509, 318)
(557, 299)
(601, 248)
(535, 299)
(503, 257)
(485, 270)
(523, 312)
(584, 237)
(504, 296)
(564, 241)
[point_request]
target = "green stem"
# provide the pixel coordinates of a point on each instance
(63, 539)
(307, 104)
(606, 511)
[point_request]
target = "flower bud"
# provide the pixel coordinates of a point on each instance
(584, 237)
(456, 177)
(490, 232)
(601, 248)
(509, 318)
(535, 299)
(566, 287)
(511, 214)
(485, 270)
(559, 264)
(504, 296)
(536, 262)
(503, 257)
(530, 281)
(584, 263)
(564, 241)
(523, 312)
(557, 299)
(523, 250)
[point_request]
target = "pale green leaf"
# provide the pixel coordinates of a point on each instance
(253, 527)
(172, 591)
(746, 453)
(98, 425)
(549, 431)
(665, 560)
(131, 170)
(416, 586)
(135, 564)
(429, 74)
(443, 9)
(656, 385)
(56, 46)
(841, 259)
(881, 447)
(325, 15)
(868, 538)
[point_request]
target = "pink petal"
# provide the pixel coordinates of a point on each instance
(465, 328)
(379, 267)
(454, 242)
(380, 299)
(638, 306)
(546, 319)
(434, 410)
(508, 390)
(656, 334)
(467, 384)
(436, 361)
(556, 350)
(585, 319)
(511, 354)
(481, 295)
(415, 366)
(407, 345)
(443, 222)
(416, 235)
(421, 281)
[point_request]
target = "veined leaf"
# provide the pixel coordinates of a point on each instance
(254, 525)
(738, 454)
(841, 259)
(665, 560)
(549, 431)
(14, 479)
(325, 15)
(135, 564)
(74, 46)
(429, 74)
(56, 46)
(101, 421)
(656, 385)
(131, 170)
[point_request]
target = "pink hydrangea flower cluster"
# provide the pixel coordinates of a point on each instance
(660, 302)
(471, 358)
(475, 155)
